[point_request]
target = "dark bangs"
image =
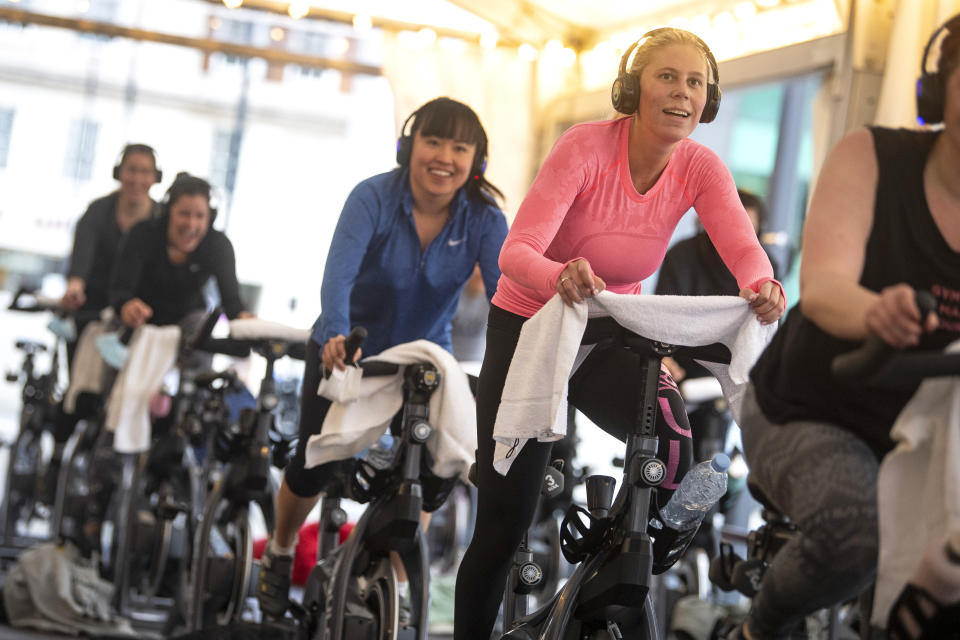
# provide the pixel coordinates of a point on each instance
(445, 118)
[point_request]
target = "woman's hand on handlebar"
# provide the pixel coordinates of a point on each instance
(74, 297)
(577, 282)
(135, 313)
(334, 354)
(768, 303)
(895, 317)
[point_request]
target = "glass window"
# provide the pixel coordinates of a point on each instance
(81, 149)
(6, 126)
(220, 157)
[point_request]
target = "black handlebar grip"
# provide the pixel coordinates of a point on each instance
(353, 342)
(125, 335)
(868, 359)
(927, 304)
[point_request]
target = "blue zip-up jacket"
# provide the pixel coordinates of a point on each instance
(377, 276)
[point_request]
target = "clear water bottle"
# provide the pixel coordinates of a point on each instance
(702, 486)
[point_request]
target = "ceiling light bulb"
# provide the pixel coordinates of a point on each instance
(488, 39)
(298, 9)
(362, 22)
(527, 52)
(232, 4)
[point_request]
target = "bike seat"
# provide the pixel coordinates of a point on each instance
(30, 346)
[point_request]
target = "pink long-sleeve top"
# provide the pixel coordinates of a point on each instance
(583, 205)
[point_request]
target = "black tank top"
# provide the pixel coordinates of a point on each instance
(792, 377)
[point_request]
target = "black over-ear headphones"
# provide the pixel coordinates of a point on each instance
(138, 148)
(625, 93)
(405, 149)
(930, 89)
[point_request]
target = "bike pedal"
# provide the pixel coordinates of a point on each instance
(722, 566)
(747, 575)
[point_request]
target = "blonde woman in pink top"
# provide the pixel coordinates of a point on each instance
(599, 215)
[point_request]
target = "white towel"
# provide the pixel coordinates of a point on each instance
(362, 411)
(258, 329)
(534, 398)
(918, 487)
(86, 371)
(153, 352)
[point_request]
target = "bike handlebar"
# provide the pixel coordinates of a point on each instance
(878, 364)
(606, 331)
(353, 342)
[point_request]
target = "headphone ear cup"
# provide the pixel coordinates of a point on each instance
(404, 149)
(213, 216)
(930, 98)
(625, 93)
(159, 176)
(712, 106)
(116, 172)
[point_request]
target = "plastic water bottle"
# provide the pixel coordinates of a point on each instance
(702, 486)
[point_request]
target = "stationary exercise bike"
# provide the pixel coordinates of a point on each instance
(618, 544)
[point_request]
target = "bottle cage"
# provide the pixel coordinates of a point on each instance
(370, 482)
(582, 534)
(579, 539)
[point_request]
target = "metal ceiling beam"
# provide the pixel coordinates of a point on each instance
(345, 17)
(523, 21)
(203, 44)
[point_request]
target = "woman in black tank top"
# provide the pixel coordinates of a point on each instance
(884, 221)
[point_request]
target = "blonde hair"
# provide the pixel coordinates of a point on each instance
(665, 36)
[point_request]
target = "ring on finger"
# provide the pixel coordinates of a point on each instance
(564, 279)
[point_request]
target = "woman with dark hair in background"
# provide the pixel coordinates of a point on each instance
(99, 231)
(164, 263)
(159, 275)
(405, 245)
(96, 240)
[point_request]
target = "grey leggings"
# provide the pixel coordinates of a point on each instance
(825, 479)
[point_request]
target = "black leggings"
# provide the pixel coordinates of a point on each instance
(606, 390)
(304, 482)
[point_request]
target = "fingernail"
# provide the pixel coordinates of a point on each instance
(595, 292)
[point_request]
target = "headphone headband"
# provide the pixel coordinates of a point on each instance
(930, 89)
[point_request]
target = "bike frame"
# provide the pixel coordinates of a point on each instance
(615, 579)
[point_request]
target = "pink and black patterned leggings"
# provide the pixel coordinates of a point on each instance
(606, 389)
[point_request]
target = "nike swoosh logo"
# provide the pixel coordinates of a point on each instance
(454, 243)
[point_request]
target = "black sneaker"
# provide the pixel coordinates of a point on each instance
(273, 585)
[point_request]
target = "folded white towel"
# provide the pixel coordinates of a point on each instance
(153, 351)
(86, 371)
(259, 329)
(918, 488)
(363, 408)
(533, 404)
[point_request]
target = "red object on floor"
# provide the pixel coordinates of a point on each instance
(305, 556)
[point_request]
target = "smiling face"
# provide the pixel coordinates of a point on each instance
(138, 172)
(439, 166)
(189, 222)
(673, 91)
